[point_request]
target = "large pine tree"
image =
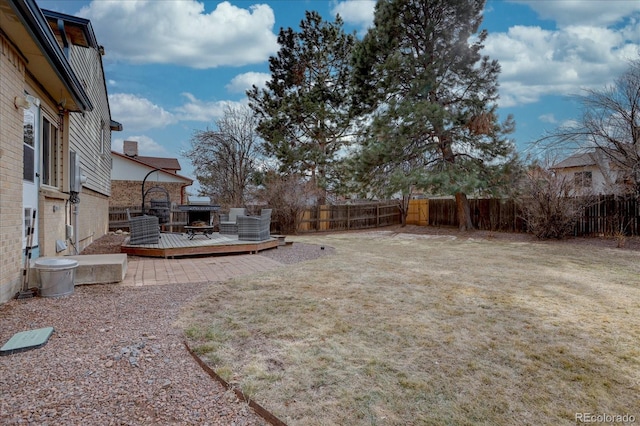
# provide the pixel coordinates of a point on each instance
(303, 112)
(429, 99)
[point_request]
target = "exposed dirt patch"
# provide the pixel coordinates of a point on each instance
(107, 244)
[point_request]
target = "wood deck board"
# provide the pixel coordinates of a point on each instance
(176, 245)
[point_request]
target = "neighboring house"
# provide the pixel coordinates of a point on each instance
(591, 173)
(53, 109)
(130, 170)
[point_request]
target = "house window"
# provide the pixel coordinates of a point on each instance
(50, 151)
(582, 179)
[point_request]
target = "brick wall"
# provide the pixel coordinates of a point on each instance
(94, 217)
(129, 193)
(11, 258)
(11, 85)
(93, 221)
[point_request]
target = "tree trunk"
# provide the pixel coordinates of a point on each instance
(464, 212)
(403, 206)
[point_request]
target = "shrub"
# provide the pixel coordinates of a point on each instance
(289, 196)
(550, 207)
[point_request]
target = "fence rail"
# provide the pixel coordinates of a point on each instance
(607, 215)
(343, 217)
(486, 213)
(320, 218)
(118, 218)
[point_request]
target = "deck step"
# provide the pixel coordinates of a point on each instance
(100, 268)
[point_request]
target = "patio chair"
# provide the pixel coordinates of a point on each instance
(228, 224)
(255, 228)
(143, 229)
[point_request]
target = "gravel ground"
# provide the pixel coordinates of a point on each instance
(116, 357)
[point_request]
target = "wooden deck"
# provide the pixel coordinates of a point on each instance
(179, 245)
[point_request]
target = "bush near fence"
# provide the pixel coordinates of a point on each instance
(608, 215)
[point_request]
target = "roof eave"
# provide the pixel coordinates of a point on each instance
(36, 24)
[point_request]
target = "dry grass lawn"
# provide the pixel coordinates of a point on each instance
(399, 329)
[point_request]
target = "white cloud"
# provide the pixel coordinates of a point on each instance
(139, 114)
(580, 12)
(197, 110)
(146, 146)
(537, 62)
(356, 12)
(136, 113)
(548, 118)
(243, 82)
(182, 33)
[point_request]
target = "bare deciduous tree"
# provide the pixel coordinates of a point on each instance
(289, 195)
(610, 124)
(225, 159)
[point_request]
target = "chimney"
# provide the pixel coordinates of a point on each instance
(130, 148)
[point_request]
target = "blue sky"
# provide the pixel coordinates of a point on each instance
(172, 65)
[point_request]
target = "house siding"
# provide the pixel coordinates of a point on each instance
(90, 133)
(12, 70)
(52, 224)
(598, 184)
(90, 136)
(81, 133)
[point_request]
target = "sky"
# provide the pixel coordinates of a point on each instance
(173, 65)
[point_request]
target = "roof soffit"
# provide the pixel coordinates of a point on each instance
(23, 23)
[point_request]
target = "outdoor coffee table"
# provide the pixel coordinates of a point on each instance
(192, 231)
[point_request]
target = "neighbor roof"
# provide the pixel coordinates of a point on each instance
(167, 165)
(576, 160)
(160, 162)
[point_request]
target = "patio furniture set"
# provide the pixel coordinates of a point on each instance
(145, 229)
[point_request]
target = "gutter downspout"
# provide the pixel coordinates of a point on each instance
(183, 192)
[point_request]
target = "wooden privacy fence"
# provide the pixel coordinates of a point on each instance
(320, 218)
(607, 214)
(610, 215)
(345, 217)
(486, 213)
(118, 218)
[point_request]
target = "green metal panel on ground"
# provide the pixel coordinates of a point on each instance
(26, 340)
